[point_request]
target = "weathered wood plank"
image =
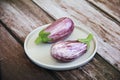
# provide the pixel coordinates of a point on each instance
(14, 63)
(106, 31)
(111, 7)
(97, 69)
(22, 16)
(89, 72)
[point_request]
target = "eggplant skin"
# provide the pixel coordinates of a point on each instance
(60, 29)
(68, 50)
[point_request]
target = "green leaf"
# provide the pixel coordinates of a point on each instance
(87, 40)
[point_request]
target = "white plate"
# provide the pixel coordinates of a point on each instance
(40, 54)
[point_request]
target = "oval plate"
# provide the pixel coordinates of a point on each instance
(40, 54)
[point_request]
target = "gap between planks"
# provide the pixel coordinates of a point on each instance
(11, 33)
(106, 14)
(44, 11)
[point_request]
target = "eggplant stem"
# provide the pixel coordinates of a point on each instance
(42, 37)
(87, 40)
(38, 40)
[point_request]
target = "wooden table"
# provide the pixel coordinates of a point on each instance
(19, 17)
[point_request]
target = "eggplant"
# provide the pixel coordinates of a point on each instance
(69, 50)
(58, 30)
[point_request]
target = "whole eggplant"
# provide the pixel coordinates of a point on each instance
(58, 30)
(70, 50)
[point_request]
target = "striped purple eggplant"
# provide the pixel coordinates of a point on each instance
(58, 30)
(70, 50)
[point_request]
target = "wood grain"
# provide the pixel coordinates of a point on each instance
(22, 14)
(14, 63)
(106, 31)
(96, 69)
(111, 7)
